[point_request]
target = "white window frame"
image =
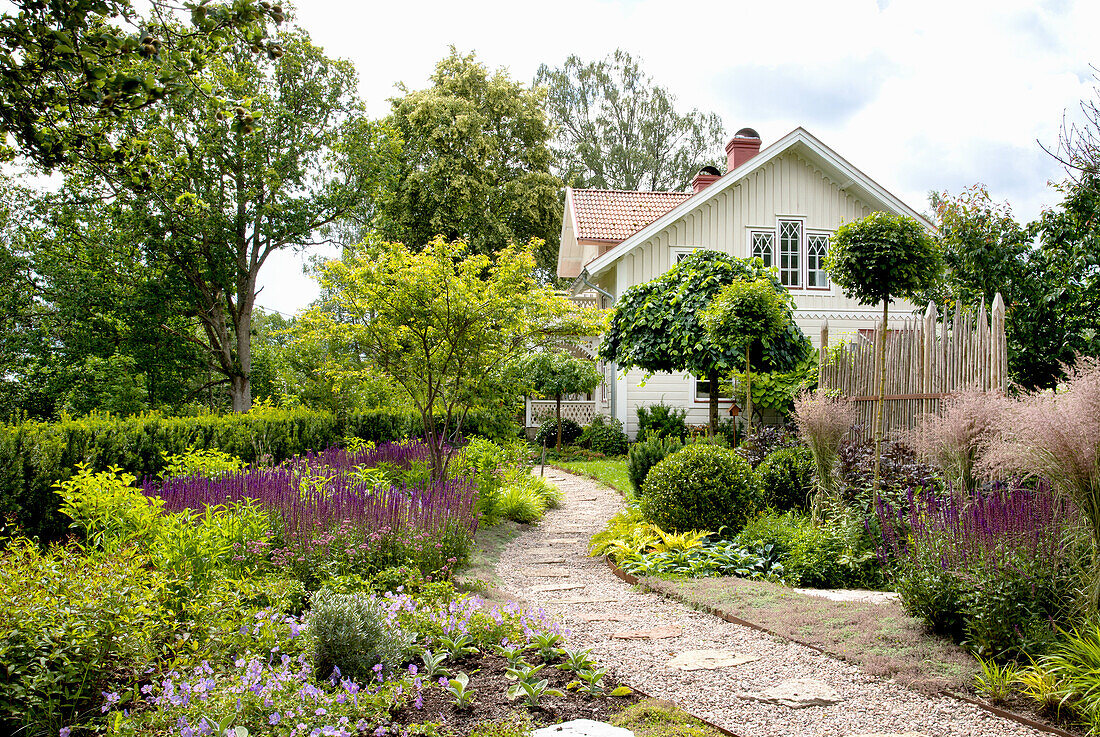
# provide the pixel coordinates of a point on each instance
(803, 252)
(675, 253)
(705, 401)
(753, 233)
(799, 252)
(828, 286)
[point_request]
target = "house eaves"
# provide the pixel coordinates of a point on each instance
(802, 142)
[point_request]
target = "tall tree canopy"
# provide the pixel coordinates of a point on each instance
(475, 164)
(658, 325)
(71, 70)
(222, 197)
(617, 129)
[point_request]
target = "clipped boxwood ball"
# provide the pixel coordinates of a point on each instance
(548, 432)
(785, 478)
(702, 487)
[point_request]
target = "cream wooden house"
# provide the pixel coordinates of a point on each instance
(781, 203)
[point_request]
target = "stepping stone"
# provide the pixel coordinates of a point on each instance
(602, 617)
(709, 660)
(545, 589)
(585, 600)
(798, 693)
(547, 561)
(548, 572)
(657, 633)
(543, 551)
(889, 734)
(585, 499)
(563, 540)
(582, 728)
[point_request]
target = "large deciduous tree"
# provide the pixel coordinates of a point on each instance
(617, 129)
(475, 163)
(221, 197)
(876, 259)
(71, 70)
(442, 322)
(657, 325)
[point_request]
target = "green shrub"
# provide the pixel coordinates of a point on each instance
(108, 511)
(662, 421)
(548, 432)
(605, 437)
(71, 625)
(700, 487)
(352, 632)
(646, 454)
(786, 477)
(208, 462)
(34, 456)
(835, 554)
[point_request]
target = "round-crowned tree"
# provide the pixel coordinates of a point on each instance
(874, 260)
(554, 374)
(702, 487)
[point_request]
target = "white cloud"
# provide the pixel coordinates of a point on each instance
(920, 94)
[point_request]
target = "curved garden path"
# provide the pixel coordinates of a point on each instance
(548, 567)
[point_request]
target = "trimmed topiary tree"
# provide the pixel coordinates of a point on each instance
(702, 487)
(548, 431)
(786, 478)
(554, 374)
(874, 260)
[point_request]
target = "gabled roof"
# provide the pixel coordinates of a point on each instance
(615, 214)
(799, 140)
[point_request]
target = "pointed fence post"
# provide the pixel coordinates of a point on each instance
(823, 353)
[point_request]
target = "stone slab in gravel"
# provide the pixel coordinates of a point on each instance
(563, 540)
(889, 734)
(582, 728)
(872, 705)
(655, 633)
(551, 587)
(709, 659)
(549, 572)
(866, 597)
(798, 693)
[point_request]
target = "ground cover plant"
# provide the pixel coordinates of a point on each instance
(276, 600)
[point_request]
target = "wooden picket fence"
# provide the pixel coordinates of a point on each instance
(926, 360)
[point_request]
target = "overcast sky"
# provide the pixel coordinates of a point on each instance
(919, 94)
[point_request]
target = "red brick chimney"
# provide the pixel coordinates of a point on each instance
(743, 146)
(707, 176)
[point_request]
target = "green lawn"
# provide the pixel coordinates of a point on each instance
(610, 471)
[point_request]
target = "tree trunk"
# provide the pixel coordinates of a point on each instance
(557, 415)
(712, 377)
(748, 391)
(240, 392)
(881, 398)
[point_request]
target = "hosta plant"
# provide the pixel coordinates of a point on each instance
(532, 691)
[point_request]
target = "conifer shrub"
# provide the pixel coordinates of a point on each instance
(701, 487)
(786, 478)
(662, 421)
(646, 454)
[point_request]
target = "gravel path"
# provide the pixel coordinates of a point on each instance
(548, 567)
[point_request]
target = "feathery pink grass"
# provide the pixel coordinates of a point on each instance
(952, 438)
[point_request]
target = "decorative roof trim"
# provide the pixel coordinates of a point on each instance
(799, 135)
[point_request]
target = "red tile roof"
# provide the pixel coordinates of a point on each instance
(615, 215)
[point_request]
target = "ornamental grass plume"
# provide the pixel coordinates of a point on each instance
(952, 438)
(823, 422)
(1056, 436)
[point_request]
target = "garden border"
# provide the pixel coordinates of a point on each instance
(1003, 713)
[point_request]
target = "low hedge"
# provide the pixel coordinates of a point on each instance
(36, 455)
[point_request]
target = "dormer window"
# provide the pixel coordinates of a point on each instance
(798, 255)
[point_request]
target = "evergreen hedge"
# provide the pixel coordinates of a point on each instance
(36, 455)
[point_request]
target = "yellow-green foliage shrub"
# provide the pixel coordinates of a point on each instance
(208, 462)
(70, 624)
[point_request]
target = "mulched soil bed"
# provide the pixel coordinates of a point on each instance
(491, 701)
